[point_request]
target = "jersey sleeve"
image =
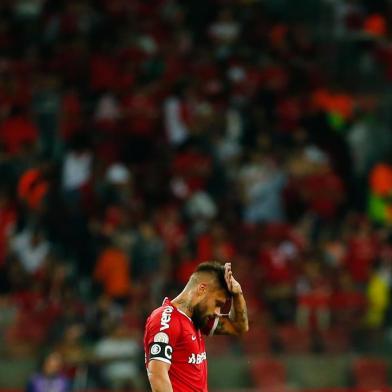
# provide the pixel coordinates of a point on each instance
(162, 333)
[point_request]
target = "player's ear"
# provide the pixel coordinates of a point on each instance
(202, 289)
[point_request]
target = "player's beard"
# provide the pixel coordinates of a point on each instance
(199, 316)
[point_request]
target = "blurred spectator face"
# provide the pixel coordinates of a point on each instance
(120, 332)
(365, 229)
(334, 252)
(147, 231)
(119, 176)
(218, 232)
(37, 238)
(312, 270)
(226, 29)
(53, 364)
(345, 282)
(104, 302)
(73, 333)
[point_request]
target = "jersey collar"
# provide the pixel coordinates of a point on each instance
(167, 301)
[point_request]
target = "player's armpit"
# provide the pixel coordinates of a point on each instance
(225, 326)
(158, 375)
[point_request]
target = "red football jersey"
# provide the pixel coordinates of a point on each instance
(170, 336)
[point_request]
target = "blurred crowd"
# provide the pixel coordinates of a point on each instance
(139, 138)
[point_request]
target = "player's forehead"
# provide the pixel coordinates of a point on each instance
(219, 295)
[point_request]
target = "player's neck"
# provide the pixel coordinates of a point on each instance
(183, 303)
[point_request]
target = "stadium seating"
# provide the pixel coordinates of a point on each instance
(256, 341)
(370, 373)
(268, 374)
(220, 345)
(335, 340)
(294, 340)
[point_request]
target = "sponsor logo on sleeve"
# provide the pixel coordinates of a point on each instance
(161, 337)
(166, 317)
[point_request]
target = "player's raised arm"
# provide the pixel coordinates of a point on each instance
(158, 375)
(237, 322)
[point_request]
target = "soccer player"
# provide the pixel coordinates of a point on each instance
(173, 343)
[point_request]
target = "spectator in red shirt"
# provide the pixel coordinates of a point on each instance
(324, 193)
(8, 217)
(71, 114)
(347, 302)
(313, 294)
(215, 245)
(170, 228)
(103, 71)
(139, 124)
(186, 266)
(18, 133)
(191, 167)
(278, 276)
(361, 253)
(33, 187)
(140, 113)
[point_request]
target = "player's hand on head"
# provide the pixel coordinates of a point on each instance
(227, 275)
(233, 286)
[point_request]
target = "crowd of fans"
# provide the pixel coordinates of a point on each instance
(139, 138)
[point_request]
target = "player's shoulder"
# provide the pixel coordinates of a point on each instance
(165, 308)
(165, 316)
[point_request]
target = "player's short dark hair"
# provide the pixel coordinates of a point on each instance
(214, 268)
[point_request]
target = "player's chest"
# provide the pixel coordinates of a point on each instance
(191, 348)
(192, 339)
